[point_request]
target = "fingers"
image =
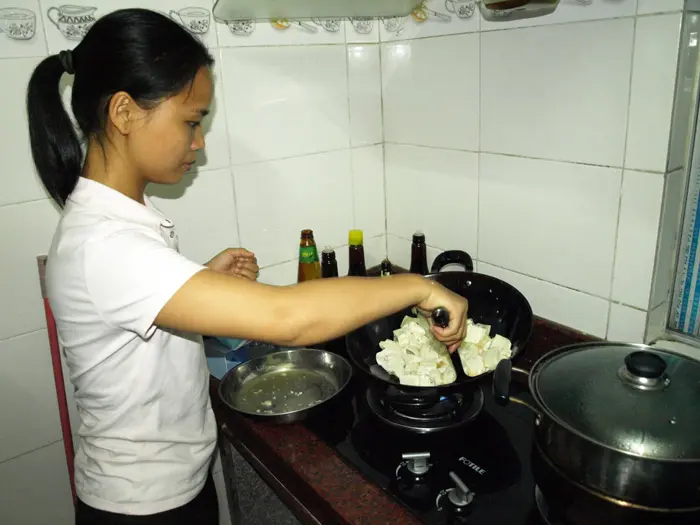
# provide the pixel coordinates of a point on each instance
(247, 268)
(241, 253)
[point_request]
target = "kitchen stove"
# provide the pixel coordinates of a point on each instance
(451, 411)
(476, 474)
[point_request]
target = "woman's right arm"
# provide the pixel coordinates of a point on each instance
(299, 315)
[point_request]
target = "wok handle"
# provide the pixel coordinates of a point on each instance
(501, 385)
(452, 257)
(441, 317)
(501, 382)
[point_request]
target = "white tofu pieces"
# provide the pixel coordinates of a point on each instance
(418, 359)
(415, 356)
(479, 353)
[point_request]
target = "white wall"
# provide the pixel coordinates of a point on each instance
(541, 147)
(541, 150)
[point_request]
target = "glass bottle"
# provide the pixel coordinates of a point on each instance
(419, 256)
(309, 265)
(357, 254)
(329, 265)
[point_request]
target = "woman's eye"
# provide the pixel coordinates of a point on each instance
(193, 124)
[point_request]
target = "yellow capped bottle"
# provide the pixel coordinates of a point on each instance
(309, 265)
(357, 254)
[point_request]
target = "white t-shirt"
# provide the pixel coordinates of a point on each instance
(147, 431)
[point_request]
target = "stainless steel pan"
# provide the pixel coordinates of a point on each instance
(285, 386)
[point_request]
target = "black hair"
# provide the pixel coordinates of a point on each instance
(138, 51)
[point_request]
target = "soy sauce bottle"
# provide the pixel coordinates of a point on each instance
(329, 265)
(357, 254)
(419, 255)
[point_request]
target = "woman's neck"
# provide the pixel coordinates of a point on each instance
(107, 166)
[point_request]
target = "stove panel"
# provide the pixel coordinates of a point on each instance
(476, 474)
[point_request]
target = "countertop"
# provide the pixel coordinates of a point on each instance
(313, 481)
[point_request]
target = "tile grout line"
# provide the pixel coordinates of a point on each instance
(622, 178)
(23, 334)
(349, 128)
(478, 139)
(31, 451)
(231, 173)
(384, 143)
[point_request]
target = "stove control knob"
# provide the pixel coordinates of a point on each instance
(416, 462)
(460, 496)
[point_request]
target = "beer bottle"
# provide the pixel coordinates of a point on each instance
(309, 266)
(419, 256)
(357, 254)
(329, 266)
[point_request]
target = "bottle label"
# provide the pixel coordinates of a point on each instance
(308, 254)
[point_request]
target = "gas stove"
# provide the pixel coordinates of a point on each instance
(476, 474)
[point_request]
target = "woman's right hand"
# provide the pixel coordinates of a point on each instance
(457, 306)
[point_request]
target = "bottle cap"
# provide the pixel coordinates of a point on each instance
(307, 234)
(418, 237)
(355, 237)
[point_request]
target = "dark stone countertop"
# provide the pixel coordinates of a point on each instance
(313, 481)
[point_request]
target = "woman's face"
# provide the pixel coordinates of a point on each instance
(164, 148)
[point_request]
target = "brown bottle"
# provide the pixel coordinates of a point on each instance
(329, 266)
(309, 266)
(419, 256)
(386, 268)
(357, 254)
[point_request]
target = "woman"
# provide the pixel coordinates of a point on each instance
(128, 306)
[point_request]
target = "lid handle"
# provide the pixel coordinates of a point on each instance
(645, 364)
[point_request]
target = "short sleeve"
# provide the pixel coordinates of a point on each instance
(131, 274)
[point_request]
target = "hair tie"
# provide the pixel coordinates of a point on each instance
(66, 59)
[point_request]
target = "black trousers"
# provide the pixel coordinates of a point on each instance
(202, 510)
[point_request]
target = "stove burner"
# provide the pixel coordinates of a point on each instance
(448, 412)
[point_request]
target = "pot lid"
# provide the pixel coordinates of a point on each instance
(632, 398)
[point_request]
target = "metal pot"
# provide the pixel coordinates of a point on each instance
(285, 386)
(619, 421)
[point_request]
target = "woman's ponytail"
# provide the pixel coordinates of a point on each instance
(56, 149)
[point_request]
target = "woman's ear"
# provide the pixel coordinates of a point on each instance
(124, 113)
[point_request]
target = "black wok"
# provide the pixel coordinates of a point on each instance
(491, 301)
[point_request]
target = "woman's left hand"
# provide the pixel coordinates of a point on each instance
(236, 261)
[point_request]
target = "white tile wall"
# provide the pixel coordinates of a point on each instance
(555, 92)
(653, 79)
(637, 233)
(433, 190)
(431, 92)
(626, 324)
(551, 220)
(35, 489)
(559, 108)
(29, 412)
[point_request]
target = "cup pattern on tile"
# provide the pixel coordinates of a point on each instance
(332, 25)
(17, 23)
(362, 25)
(461, 8)
(73, 21)
(244, 27)
(195, 19)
